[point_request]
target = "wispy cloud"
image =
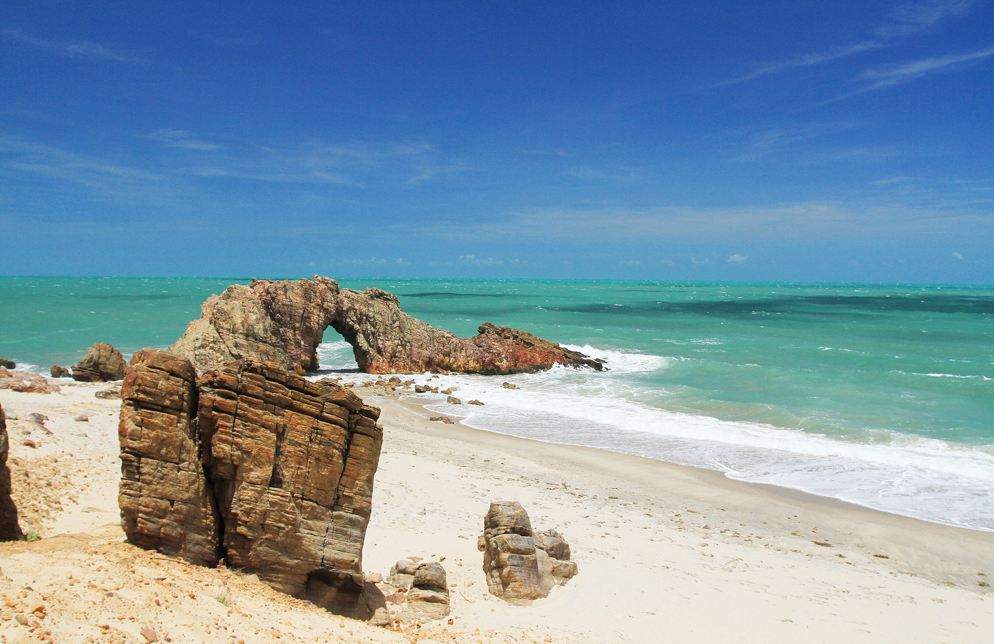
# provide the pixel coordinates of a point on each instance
(736, 258)
(181, 139)
(770, 141)
(803, 60)
(109, 178)
(72, 49)
(890, 75)
(772, 222)
(904, 21)
(317, 162)
(615, 174)
(474, 260)
(916, 17)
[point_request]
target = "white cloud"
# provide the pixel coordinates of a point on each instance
(357, 163)
(80, 49)
(770, 222)
(105, 176)
(958, 256)
(803, 60)
(181, 139)
(915, 17)
(474, 260)
(736, 258)
(905, 20)
(891, 75)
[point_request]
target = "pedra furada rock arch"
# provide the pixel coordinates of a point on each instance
(283, 322)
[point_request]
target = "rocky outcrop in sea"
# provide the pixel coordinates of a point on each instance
(284, 321)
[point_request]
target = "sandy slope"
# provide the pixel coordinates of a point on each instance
(664, 552)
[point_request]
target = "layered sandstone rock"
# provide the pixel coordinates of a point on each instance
(165, 499)
(292, 464)
(266, 469)
(101, 363)
(284, 321)
(521, 566)
(8, 511)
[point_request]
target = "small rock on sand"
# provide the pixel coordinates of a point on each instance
(475, 402)
(452, 400)
(442, 419)
(508, 385)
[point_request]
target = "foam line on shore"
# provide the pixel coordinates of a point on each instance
(899, 473)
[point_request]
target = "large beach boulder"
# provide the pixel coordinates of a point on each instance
(521, 566)
(167, 503)
(269, 470)
(7, 364)
(284, 321)
(9, 529)
(101, 363)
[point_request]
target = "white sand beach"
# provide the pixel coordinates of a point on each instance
(664, 552)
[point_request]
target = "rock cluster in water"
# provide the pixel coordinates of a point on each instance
(522, 565)
(284, 321)
(254, 465)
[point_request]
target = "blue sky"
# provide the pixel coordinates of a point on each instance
(795, 140)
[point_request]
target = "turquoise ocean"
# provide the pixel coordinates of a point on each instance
(878, 395)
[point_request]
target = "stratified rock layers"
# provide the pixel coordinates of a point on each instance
(521, 565)
(292, 463)
(166, 502)
(284, 321)
(272, 471)
(8, 511)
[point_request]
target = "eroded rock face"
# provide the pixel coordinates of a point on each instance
(266, 469)
(521, 566)
(271, 321)
(101, 363)
(292, 464)
(284, 321)
(9, 529)
(166, 502)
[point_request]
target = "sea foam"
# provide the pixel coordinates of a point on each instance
(898, 473)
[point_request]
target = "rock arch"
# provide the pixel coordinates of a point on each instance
(283, 321)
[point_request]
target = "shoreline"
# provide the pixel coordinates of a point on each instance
(942, 540)
(661, 548)
(781, 488)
